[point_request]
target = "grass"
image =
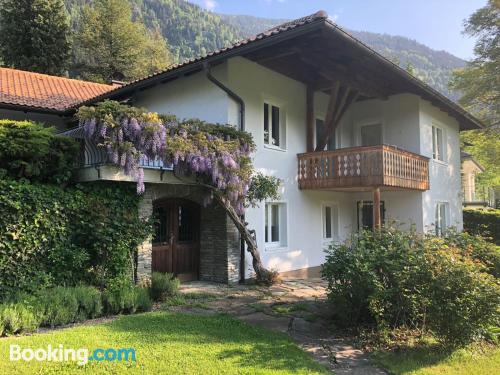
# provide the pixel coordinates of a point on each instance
(168, 342)
(433, 360)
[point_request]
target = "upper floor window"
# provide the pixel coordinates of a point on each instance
(274, 126)
(371, 135)
(330, 222)
(441, 218)
(275, 225)
(437, 143)
(320, 127)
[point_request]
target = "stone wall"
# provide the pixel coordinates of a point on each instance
(219, 238)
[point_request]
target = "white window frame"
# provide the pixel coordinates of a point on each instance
(334, 221)
(322, 117)
(440, 227)
(367, 122)
(282, 123)
(438, 148)
(281, 244)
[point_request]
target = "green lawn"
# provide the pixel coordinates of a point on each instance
(170, 343)
(430, 360)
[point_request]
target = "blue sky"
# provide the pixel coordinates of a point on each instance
(436, 23)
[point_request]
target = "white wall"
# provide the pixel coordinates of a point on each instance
(193, 96)
(57, 121)
(444, 176)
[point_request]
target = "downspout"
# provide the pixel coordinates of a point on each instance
(241, 103)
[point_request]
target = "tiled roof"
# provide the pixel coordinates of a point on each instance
(42, 91)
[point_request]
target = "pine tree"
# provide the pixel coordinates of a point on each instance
(110, 45)
(34, 35)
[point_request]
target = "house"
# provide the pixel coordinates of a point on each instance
(356, 140)
(470, 168)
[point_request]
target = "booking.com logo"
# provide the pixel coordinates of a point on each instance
(61, 354)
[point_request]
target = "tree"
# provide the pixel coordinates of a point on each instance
(480, 80)
(34, 35)
(480, 84)
(110, 45)
(216, 157)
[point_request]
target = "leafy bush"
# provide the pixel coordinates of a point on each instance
(59, 306)
(17, 318)
(393, 279)
(143, 300)
(163, 285)
(51, 235)
(119, 297)
(32, 151)
(89, 302)
(484, 222)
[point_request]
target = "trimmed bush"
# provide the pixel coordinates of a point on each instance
(30, 150)
(163, 285)
(17, 318)
(483, 222)
(143, 300)
(119, 297)
(395, 279)
(52, 236)
(59, 306)
(89, 302)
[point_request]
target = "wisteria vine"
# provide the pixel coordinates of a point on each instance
(218, 155)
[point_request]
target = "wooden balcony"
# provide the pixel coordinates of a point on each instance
(363, 168)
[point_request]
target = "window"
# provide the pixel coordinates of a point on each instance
(437, 143)
(330, 222)
(441, 218)
(275, 225)
(319, 134)
(365, 214)
(274, 126)
(371, 135)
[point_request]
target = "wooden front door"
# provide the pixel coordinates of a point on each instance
(176, 242)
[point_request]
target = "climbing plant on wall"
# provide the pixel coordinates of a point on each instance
(215, 156)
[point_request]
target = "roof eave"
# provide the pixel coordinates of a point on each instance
(42, 110)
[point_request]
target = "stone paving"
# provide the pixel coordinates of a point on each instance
(295, 307)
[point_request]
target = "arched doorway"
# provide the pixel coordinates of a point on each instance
(176, 241)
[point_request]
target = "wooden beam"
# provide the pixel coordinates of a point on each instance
(310, 118)
(377, 215)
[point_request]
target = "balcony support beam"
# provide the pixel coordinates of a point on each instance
(377, 215)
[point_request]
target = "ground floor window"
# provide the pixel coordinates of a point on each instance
(365, 214)
(441, 218)
(330, 221)
(275, 225)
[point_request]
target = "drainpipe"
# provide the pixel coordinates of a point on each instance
(241, 103)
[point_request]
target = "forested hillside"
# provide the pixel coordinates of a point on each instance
(191, 31)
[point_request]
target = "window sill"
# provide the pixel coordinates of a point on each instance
(440, 162)
(275, 248)
(275, 148)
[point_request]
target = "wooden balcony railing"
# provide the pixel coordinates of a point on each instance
(363, 167)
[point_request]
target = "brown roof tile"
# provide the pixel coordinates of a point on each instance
(18, 87)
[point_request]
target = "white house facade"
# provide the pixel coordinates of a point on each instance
(391, 150)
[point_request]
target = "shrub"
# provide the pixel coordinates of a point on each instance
(52, 236)
(484, 222)
(163, 285)
(143, 300)
(17, 318)
(59, 306)
(30, 150)
(119, 297)
(89, 302)
(393, 279)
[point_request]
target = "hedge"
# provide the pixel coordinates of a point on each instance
(32, 151)
(483, 222)
(50, 235)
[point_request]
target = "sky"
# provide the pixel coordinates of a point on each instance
(435, 23)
